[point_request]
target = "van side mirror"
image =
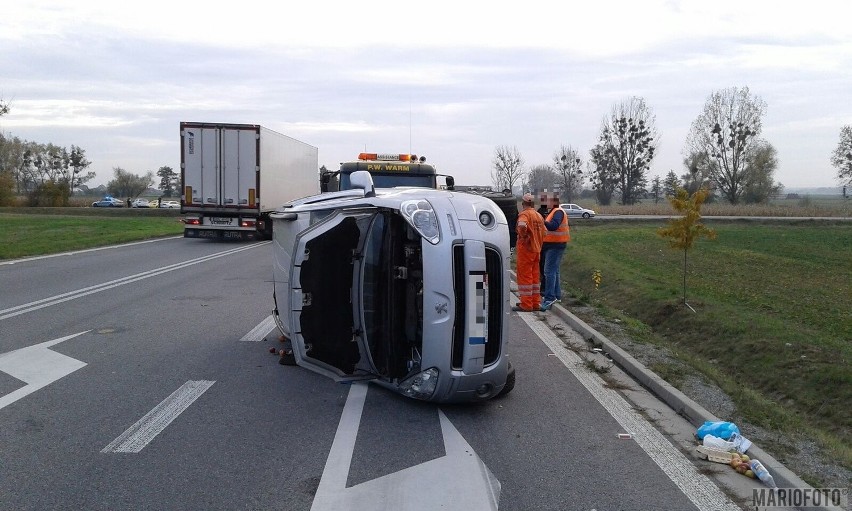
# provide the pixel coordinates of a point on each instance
(363, 180)
(451, 183)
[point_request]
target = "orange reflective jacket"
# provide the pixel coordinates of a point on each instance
(562, 234)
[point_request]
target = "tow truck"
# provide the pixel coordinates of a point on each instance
(389, 170)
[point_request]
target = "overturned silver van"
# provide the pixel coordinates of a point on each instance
(405, 286)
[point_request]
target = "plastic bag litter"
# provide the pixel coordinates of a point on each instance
(740, 442)
(719, 429)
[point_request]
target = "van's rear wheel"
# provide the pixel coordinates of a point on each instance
(510, 382)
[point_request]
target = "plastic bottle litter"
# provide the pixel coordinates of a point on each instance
(762, 474)
(714, 442)
(720, 429)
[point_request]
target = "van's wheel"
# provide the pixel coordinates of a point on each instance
(510, 382)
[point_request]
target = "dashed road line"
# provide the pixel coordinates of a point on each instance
(54, 300)
(260, 332)
(154, 422)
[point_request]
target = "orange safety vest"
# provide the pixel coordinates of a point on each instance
(562, 234)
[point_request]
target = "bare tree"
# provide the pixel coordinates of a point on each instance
(508, 168)
(604, 176)
(539, 178)
(841, 158)
(77, 163)
(758, 186)
(726, 132)
(697, 174)
(126, 184)
(656, 189)
(4, 108)
(629, 136)
(569, 170)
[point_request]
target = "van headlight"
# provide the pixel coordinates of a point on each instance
(420, 215)
(422, 385)
(486, 219)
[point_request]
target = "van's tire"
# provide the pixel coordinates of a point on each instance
(510, 382)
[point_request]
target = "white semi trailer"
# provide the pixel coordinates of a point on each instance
(234, 175)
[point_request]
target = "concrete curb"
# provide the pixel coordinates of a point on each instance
(677, 400)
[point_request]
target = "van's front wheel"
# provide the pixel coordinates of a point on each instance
(510, 382)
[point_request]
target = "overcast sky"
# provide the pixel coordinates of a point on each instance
(448, 80)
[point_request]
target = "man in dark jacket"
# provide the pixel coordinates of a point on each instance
(555, 241)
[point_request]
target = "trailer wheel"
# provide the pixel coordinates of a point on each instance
(266, 232)
(510, 382)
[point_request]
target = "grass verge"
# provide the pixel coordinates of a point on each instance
(29, 235)
(773, 318)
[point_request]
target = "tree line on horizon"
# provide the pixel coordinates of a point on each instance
(48, 175)
(725, 155)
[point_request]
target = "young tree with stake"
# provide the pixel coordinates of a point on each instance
(682, 232)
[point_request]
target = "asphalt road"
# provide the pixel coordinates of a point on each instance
(139, 377)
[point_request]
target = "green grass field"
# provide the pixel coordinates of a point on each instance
(28, 235)
(773, 320)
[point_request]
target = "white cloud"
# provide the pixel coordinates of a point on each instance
(453, 79)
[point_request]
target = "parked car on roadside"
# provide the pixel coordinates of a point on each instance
(575, 211)
(170, 204)
(139, 203)
(407, 287)
(108, 202)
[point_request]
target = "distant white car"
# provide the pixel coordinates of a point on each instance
(170, 204)
(139, 203)
(575, 211)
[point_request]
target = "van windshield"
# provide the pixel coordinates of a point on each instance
(392, 180)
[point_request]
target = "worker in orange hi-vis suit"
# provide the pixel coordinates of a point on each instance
(530, 231)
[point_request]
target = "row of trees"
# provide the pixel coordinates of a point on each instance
(49, 174)
(724, 154)
(32, 164)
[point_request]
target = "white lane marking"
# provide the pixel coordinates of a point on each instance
(72, 295)
(154, 422)
(260, 332)
(337, 464)
(463, 480)
(696, 486)
(37, 366)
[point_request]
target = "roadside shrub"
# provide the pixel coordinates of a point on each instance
(7, 184)
(49, 194)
